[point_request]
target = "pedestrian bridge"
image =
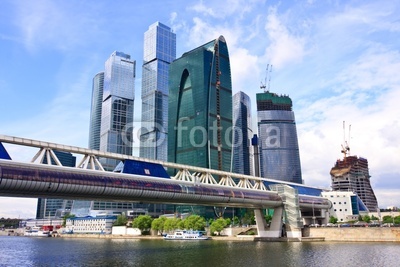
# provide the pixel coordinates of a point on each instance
(146, 181)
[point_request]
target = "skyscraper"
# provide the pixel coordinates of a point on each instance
(117, 107)
(159, 52)
(279, 149)
(111, 118)
(95, 112)
(352, 174)
(200, 107)
(242, 161)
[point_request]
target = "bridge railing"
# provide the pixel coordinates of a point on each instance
(184, 172)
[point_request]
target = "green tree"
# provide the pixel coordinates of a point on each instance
(248, 217)
(218, 225)
(121, 220)
(143, 222)
(194, 222)
(373, 218)
(228, 221)
(268, 218)
(158, 224)
(67, 217)
(387, 219)
(397, 220)
(236, 220)
(333, 220)
(171, 224)
(366, 219)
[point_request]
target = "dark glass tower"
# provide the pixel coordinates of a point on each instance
(200, 107)
(279, 149)
(242, 161)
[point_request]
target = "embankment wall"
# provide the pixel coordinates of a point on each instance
(355, 234)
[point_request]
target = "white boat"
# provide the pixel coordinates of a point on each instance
(36, 231)
(186, 235)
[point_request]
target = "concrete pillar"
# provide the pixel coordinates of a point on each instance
(275, 229)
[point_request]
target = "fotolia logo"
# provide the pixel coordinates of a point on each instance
(151, 134)
(272, 137)
(143, 134)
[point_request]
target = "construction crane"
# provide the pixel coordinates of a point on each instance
(345, 146)
(265, 86)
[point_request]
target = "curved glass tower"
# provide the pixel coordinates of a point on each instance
(95, 113)
(200, 107)
(279, 149)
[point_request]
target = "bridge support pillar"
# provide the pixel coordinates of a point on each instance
(275, 229)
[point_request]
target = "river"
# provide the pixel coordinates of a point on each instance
(35, 251)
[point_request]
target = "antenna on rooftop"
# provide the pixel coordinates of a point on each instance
(266, 85)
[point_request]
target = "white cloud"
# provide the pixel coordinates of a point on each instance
(285, 48)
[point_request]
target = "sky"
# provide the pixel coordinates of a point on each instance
(337, 60)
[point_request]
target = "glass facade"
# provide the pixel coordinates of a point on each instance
(159, 52)
(242, 161)
(117, 107)
(95, 112)
(279, 149)
(200, 107)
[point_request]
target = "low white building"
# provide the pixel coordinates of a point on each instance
(346, 206)
(90, 225)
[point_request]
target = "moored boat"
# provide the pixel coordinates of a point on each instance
(186, 235)
(37, 231)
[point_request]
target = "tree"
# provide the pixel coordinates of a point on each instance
(333, 220)
(268, 218)
(218, 225)
(171, 224)
(194, 222)
(373, 218)
(236, 220)
(158, 224)
(387, 219)
(122, 220)
(143, 222)
(366, 219)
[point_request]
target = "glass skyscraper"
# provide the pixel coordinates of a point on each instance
(242, 161)
(117, 107)
(279, 149)
(200, 107)
(159, 52)
(95, 112)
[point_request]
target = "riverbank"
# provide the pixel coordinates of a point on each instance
(345, 234)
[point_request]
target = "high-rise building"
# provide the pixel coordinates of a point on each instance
(200, 107)
(56, 207)
(242, 161)
(111, 121)
(117, 107)
(352, 174)
(279, 149)
(159, 52)
(95, 112)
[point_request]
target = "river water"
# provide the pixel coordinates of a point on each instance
(32, 251)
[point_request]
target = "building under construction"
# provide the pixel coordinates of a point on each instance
(352, 174)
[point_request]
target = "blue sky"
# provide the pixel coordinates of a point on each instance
(337, 60)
